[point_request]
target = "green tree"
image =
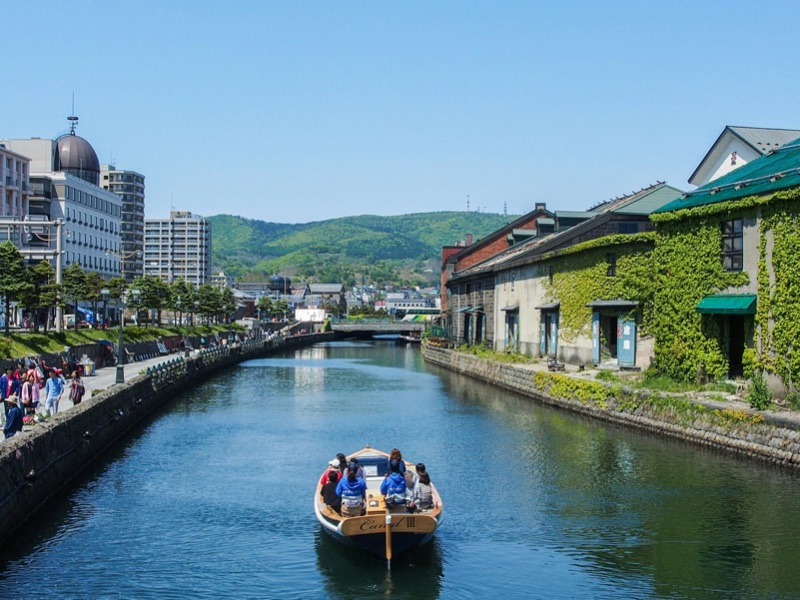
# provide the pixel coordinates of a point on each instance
(74, 282)
(154, 294)
(14, 284)
(229, 304)
(181, 297)
(94, 284)
(210, 302)
(264, 307)
(42, 293)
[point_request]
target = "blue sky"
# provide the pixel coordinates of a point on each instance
(304, 111)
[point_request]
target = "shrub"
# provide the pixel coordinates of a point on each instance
(758, 393)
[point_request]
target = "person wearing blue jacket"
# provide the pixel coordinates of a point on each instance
(13, 419)
(394, 486)
(353, 492)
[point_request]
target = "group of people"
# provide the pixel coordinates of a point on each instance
(344, 488)
(21, 390)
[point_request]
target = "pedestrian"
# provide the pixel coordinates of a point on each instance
(13, 418)
(9, 385)
(30, 394)
(54, 388)
(76, 389)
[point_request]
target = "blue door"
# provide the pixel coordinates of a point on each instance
(543, 335)
(626, 342)
(552, 343)
(596, 337)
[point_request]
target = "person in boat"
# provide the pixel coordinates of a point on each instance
(329, 496)
(394, 487)
(354, 465)
(422, 496)
(334, 467)
(395, 455)
(353, 492)
(342, 462)
(413, 476)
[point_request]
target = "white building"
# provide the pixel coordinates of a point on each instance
(737, 146)
(14, 183)
(178, 247)
(64, 177)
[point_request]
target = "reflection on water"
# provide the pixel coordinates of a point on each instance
(213, 498)
(352, 574)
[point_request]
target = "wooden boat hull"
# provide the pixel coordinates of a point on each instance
(408, 530)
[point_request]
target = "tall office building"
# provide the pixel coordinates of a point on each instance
(178, 247)
(129, 186)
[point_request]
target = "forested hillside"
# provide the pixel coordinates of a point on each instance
(399, 250)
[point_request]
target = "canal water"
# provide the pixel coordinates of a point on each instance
(213, 498)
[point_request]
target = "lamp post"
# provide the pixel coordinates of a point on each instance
(134, 294)
(186, 338)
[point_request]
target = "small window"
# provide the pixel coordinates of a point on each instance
(732, 245)
(611, 261)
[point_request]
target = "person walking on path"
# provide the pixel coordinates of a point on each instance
(54, 388)
(77, 388)
(14, 418)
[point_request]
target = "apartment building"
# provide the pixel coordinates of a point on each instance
(179, 246)
(129, 186)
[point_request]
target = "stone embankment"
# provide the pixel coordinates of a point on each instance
(41, 460)
(726, 425)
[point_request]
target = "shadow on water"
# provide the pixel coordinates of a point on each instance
(351, 573)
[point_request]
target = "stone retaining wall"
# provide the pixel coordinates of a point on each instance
(36, 464)
(775, 440)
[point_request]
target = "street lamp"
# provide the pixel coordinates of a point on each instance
(134, 295)
(186, 338)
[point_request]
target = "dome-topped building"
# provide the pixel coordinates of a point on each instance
(74, 155)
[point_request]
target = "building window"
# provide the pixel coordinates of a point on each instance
(611, 261)
(732, 245)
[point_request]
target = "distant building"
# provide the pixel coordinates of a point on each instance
(14, 183)
(129, 186)
(64, 184)
(178, 247)
(222, 281)
(737, 146)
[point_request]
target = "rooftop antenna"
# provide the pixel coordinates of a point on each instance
(72, 118)
(505, 209)
(171, 202)
(467, 202)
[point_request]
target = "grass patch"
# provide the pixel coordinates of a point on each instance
(19, 344)
(488, 354)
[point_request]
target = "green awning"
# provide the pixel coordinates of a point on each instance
(728, 304)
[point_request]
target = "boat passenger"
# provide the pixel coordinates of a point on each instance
(422, 497)
(396, 455)
(411, 481)
(353, 492)
(329, 492)
(333, 467)
(394, 486)
(353, 465)
(342, 462)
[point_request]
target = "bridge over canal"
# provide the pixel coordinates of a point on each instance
(366, 328)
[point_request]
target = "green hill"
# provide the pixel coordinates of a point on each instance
(399, 250)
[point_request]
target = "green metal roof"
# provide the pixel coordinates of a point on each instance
(778, 170)
(728, 304)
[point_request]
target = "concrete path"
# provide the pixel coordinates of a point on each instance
(107, 377)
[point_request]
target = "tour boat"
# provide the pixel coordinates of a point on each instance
(384, 531)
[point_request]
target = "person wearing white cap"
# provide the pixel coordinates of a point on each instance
(332, 466)
(13, 418)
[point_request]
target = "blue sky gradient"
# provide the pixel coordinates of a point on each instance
(304, 111)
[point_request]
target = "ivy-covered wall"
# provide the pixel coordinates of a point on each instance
(688, 267)
(778, 315)
(580, 275)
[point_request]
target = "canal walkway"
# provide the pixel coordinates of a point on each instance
(107, 376)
